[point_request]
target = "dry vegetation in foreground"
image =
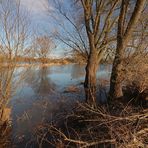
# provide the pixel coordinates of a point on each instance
(114, 126)
(5, 129)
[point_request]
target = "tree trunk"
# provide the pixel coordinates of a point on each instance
(90, 79)
(116, 75)
(123, 37)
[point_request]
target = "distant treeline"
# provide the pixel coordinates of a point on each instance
(31, 60)
(21, 59)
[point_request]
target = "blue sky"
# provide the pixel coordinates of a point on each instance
(41, 22)
(38, 12)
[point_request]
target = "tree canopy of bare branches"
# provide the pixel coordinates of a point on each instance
(43, 46)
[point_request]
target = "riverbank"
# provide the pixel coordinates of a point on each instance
(39, 64)
(46, 64)
(113, 125)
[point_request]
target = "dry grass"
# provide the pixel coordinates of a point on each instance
(5, 130)
(136, 70)
(115, 126)
(136, 76)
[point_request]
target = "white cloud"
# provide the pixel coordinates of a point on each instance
(35, 6)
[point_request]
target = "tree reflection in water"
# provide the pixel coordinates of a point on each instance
(77, 71)
(45, 84)
(40, 104)
(39, 81)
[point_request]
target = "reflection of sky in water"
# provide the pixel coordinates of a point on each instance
(42, 89)
(50, 82)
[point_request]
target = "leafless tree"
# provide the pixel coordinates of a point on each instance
(135, 63)
(13, 39)
(69, 27)
(14, 28)
(43, 46)
(125, 29)
(99, 38)
(89, 32)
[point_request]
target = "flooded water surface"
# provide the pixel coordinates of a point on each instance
(43, 92)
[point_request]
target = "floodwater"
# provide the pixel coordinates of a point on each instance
(43, 92)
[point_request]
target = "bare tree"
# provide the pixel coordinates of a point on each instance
(70, 27)
(135, 63)
(124, 33)
(43, 46)
(13, 39)
(14, 28)
(98, 37)
(90, 32)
